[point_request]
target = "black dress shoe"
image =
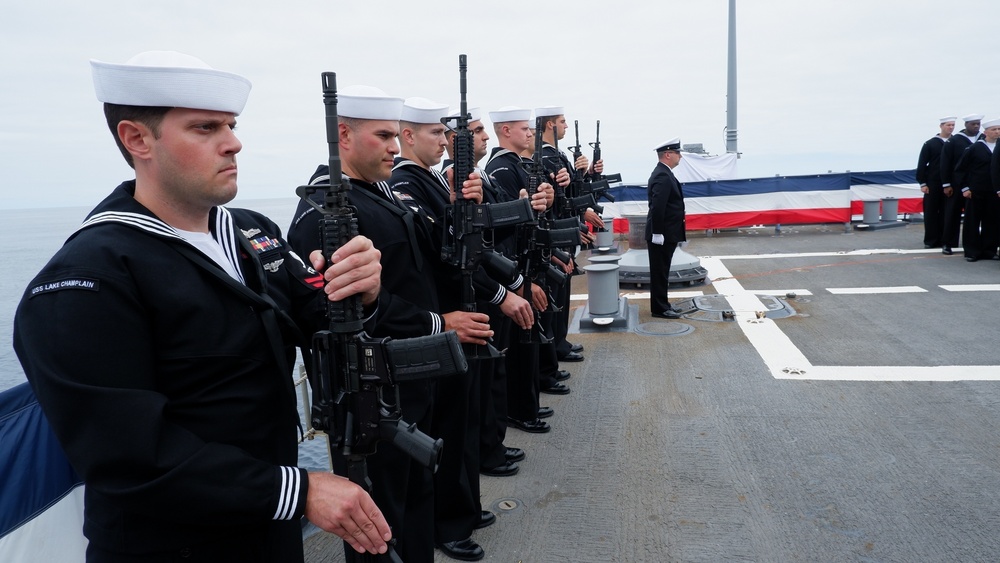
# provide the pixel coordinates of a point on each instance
(545, 412)
(556, 389)
(505, 469)
(487, 518)
(971, 259)
(514, 454)
(947, 250)
(572, 357)
(464, 550)
(576, 348)
(534, 426)
(562, 375)
(668, 314)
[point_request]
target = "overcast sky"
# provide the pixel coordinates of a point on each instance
(823, 84)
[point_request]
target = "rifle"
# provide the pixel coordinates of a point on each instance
(538, 239)
(465, 220)
(600, 183)
(353, 376)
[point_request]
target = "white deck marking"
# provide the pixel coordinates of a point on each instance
(875, 290)
(972, 287)
(638, 296)
(786, 361)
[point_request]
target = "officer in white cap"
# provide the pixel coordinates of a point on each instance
(974, 176)
(929, 178)
(954, 205)
(409, 241)
(152, 341)
(664, 225)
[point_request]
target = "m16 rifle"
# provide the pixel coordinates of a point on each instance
(354, 376)
(538, 240)
(598, 184)
(465, 220)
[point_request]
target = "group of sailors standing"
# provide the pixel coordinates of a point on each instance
(959, 175)
(402, 195)
(204, 305)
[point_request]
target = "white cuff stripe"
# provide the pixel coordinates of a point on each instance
(288, 495)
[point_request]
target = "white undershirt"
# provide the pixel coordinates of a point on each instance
(206, 243)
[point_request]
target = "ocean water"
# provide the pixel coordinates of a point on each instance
(32, 236)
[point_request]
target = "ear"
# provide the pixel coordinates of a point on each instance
(136, 138)
(344, 134)
(406, 135)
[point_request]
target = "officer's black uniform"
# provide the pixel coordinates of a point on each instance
(665, 217)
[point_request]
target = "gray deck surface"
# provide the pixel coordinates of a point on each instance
(688, 448)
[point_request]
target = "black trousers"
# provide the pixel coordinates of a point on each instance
(493, 395)
(954, 206)
(457, 506)
(981, 231)
(522, 376)
(659, 275)
(934, 210)
(402, 488)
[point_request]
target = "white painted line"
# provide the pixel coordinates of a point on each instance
(641, 295)
(895, 373)
(860, 252)
(779, 292)
(773, 345)
(972, 287)
(785, 361)
(875, 290)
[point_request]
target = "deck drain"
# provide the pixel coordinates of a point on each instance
(657, 328)
(507, 504)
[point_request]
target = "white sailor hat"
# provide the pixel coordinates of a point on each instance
(991, 123)
(510, 113)
(671, 145)
(367, 102)
(452, 122)
(973, 117)
(169, 79)
(948, 119)
(549, 111)
(422, 110)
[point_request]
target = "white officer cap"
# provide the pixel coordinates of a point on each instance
(973, 117)
(991, 123)
(422, 110)
(549, 111)
(169, 79)
(948, 119)
(452, 123)
(367, 102)
(510, 113)
(671, 145)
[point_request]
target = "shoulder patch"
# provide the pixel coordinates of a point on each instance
(67, 283)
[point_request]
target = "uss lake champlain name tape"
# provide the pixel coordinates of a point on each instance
(70, 283)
